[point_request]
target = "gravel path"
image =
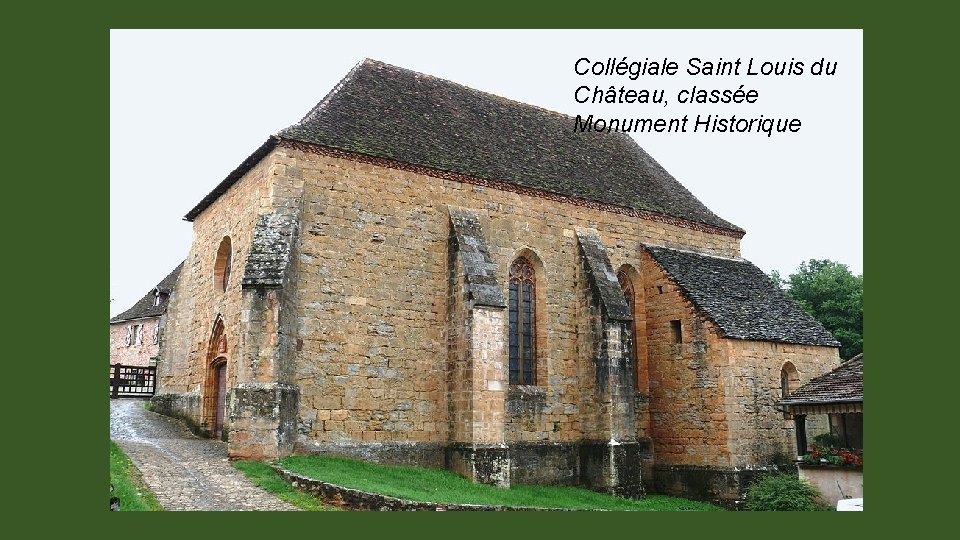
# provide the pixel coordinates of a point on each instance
(184, 471)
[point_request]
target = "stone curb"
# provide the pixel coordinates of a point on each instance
(354, 499)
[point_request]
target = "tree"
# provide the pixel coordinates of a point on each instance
(831, 294)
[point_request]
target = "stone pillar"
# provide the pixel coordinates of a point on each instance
(610, 454)
(476, 346)
(264, 405)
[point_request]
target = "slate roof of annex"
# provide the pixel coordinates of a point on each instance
(398, 114)
(740, 299)
(144, 307)
(842, 385)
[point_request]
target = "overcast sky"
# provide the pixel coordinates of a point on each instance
(187, 106)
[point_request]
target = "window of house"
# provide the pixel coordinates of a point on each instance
(522, 320)
(848, 427)
(138, 334)
(677, 331)
(156, 334)
(221, 268)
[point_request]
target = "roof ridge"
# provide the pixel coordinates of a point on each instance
(470, 88)
(700, 253)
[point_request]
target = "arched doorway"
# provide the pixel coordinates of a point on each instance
(219, 397)
(215, 383)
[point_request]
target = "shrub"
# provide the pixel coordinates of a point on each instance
(782, 492)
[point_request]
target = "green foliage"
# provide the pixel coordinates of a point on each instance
(128, 485)
(267, 479)
(434, 485)
(831, 294)
(782, 492)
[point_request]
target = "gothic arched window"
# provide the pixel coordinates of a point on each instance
(631, 298)
(523, 320)
(221, 268)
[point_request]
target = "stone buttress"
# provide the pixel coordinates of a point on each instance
(263, 404)
(609, 452)
(476, 348)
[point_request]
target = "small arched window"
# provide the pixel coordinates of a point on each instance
(789, 379)
(789, 382)
(523, 320)
(221, 269)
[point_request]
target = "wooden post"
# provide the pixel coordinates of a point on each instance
(115, 382)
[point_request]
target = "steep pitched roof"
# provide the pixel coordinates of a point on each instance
(843, 384)
(395, 113)
(742, 301)
(144, 307)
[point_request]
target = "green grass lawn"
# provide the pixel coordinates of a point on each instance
(267, 479)
(128, 485)
(432, 485)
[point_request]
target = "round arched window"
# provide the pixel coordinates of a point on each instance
(221, 269)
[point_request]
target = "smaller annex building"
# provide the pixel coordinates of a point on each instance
(135, 333)
(838, 396)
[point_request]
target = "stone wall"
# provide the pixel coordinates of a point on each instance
(759, 433)
(134, 354)
(373, 297)
(198, 301)
(834, 483)
(688, 409)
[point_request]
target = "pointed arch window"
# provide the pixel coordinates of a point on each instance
(628, 293)
(523, 320)
(221, 268)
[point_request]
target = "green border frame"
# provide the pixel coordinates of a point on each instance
(58, 195)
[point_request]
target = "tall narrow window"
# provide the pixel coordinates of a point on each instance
(631, 347)
(221, 268)
(522, 322)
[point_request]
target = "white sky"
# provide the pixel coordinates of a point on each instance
(187, 106)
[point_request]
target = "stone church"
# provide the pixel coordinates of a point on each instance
(399, 278)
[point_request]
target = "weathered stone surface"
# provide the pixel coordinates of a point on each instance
(270, 250)
(482, 463)
(480, 274)
(601, 277)
(724, 486)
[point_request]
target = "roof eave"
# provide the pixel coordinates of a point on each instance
(787, 403)
(244, 167)
(114, 321)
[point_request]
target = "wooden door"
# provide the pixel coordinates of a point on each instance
(221, 400)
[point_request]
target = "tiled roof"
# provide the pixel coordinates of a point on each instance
(145, 306)
(843, 384)
(742, 301)
(398, 114)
